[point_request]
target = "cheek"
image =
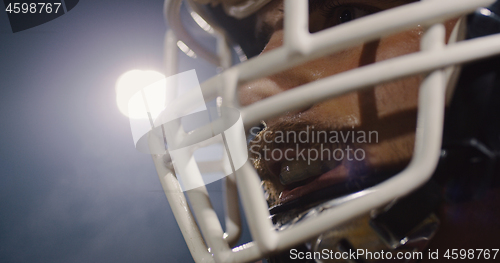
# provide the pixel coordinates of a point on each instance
(339, 112)
(400, 95)
(399, 44)
(259, 89)
(396, 106)
(389, 47)
(388, 99)
(397, 96)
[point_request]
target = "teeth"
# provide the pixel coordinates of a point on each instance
(296, 171)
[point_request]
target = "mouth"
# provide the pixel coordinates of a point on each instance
(299, 176)
(313, 182)
(301, 183)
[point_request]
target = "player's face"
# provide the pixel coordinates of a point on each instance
(369, 130)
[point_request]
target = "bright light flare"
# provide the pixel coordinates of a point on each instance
(130, 99)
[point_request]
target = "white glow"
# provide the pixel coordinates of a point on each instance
(485, 11)
(129, 96)
(202, 23)
(186, 49)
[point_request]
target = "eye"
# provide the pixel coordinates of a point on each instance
(342, 14)
(346, 15)
(328, 13)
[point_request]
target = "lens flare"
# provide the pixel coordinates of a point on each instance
(133, 81)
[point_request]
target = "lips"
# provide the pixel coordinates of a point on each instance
(298, 171)
(339, 179)
(299, 177)
(332, 177)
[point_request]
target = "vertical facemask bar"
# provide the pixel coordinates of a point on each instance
(199, 197)
(208, 222)
(232, 215)
(172, 14)
(188, 174)
(170, 185)
(231, 206)
(427, 146)
(170, 58)
(428, 142)
(224, 51)
(224, 54)
(182, 214)
(296, 23)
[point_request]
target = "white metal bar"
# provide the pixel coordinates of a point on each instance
(361, 30)
(229, 79)
(224, 51)
(370, 75)
(170, 58)
(170, 185)
(296, 27)
(359, 78)
(231, 211)
(172, 14)
(424, 13)
(424, 161)
(256, 209)
(248, 252)
(461, 52)
(209, 223)
(182, 214)
(428, 137)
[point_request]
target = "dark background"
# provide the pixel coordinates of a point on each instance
(72, 186)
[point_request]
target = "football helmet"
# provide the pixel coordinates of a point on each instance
(394, 211)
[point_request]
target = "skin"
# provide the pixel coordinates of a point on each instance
(390, 108)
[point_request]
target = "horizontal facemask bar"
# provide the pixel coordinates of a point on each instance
(428, 137)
